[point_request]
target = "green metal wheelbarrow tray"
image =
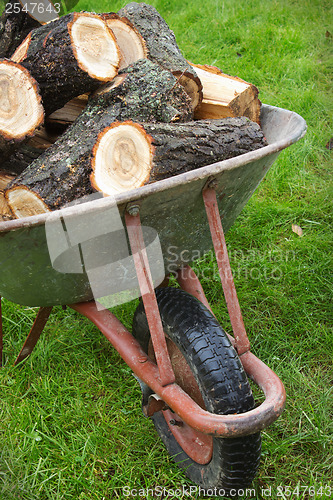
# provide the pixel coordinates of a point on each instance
(214, 449)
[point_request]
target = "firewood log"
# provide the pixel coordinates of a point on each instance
(131, 44)
(225, 95)
(62, 173)
(5, 212)
(68, 57)
(14, 27)
(138, 154)
(162, 46)
(21, 111)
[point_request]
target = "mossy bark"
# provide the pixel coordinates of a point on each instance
(161, 42)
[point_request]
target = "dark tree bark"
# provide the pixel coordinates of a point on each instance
(183, 147)
(68, 57)
(14, 27)
(144, 92)
(20, 160)
(162, 46)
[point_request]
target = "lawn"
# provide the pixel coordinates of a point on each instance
(70, 416)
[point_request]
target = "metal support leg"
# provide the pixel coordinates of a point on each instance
(149, 298)
(228, 285)
(35, 333)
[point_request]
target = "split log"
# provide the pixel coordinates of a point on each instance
(21, 111)
(5, 179)
(62, 173)
(59, 120)
(225, 95)
(131, 44)
(5, 212)
(43, 139)
(14, 27)
(162, 46)
(69, 57)
(128, 155)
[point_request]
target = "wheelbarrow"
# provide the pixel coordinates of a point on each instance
(192, 374)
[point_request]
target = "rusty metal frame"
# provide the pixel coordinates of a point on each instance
(33, 337)
(242, 343)
(140, 257)
(175, 398)
(34, 334)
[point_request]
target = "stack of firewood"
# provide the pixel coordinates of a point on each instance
(106, 102)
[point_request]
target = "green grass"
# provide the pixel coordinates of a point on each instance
(70, 420)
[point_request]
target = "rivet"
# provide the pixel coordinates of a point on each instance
(133, 210)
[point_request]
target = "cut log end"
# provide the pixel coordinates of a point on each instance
(24, 203)
(21, 111)
(116, 82)
(131, 44)
(5, 212)
(122, 158)
(21, 51)
(95, 46)
(192, 86)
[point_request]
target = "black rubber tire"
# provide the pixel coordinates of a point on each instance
(223, 385)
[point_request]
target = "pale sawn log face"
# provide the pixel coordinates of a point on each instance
(131, 44)
(69, 57)
(62, 173)
(5, 212)
(21, 111)
(122, 158)
(162, 46)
